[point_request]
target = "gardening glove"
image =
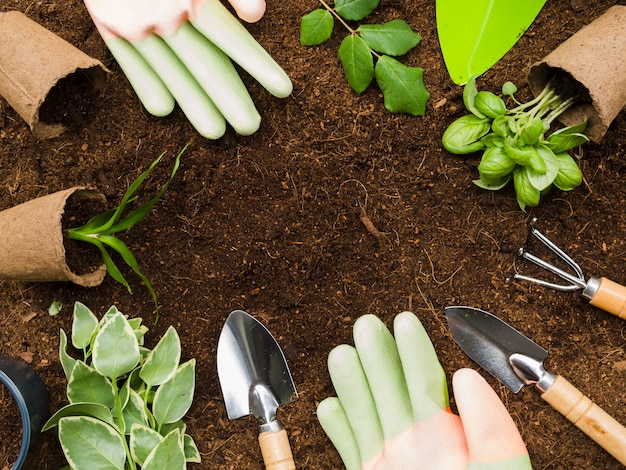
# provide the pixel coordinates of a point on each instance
(392, 410)
(181, 50)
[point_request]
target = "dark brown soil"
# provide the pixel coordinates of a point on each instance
(274, 224)
(11, 429)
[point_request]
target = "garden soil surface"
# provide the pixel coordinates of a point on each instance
(335, 208)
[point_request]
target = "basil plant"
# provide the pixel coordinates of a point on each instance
(514, 142)
(126, 402)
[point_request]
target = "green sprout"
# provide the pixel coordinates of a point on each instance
(100, 230)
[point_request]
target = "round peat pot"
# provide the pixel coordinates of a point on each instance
(31, 397)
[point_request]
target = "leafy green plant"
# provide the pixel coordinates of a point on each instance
(126, 401)
(101, 229)
(514, 142)
(402, 86)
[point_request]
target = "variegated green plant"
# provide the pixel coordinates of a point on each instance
(101, 229)
(126, 402)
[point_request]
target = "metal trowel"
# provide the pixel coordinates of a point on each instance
(516, 361)
(255, 380)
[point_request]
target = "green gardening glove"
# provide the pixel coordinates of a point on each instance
(392, 409)
(182, 51)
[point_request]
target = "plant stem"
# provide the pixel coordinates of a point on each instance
(334, 13)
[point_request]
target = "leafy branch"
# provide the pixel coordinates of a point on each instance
(368, 52)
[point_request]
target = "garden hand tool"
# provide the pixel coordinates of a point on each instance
(255, 379)
(601, 292)
(392, 410)
(516, 361)
(475, 35)
(180, 51)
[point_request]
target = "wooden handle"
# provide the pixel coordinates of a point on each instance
(588, 417)
(276, 450)
(610, 297)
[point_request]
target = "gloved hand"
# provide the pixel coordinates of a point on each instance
(181, 50)
(392, 410)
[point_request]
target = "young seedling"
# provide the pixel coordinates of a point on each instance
(127, 402)
(101, 229)
(402, 86)
(514, 142)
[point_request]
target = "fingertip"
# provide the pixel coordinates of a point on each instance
(249, 11)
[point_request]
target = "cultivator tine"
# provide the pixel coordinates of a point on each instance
(576, 281)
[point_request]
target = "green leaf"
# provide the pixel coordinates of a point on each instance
(134, 412)
(316, 27)
(84, 326)
(173, 399)
(167, 455)
(87, 385)
(526, 193)
(55, 308)
(495, 165)
(393, 38)
(577, 129)
(115, 349)
(90, 443)
(357, 62)
(464, 134)
(542, 181)
(560, 143)
(191, 451)
(474, 35)
(95, 410)
(469, 97)
(142, 441)
(569, 176)
(162, 362)
(355, 10)
(67, 362)
(493, 185)
(489, 104)
(403, 87)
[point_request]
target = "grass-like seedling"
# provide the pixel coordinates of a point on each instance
(101, 229)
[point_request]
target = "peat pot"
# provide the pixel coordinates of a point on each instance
(593, 61)
(66, 83)
(33, 247)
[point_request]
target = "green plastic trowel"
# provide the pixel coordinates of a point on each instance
(475, 34)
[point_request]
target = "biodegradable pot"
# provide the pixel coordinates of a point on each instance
(30, 396)
(32, 234)
(593, 61)
(36, 66)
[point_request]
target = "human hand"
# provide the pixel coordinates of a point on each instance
(181, 50)
(392, 409)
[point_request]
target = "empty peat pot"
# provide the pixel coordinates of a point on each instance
(45, 79)
(31, 397)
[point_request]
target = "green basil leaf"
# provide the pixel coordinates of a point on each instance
(500, 126)
(526, 193)
(495, 165)
(464, 134)
(560, 143)
(489, 104)
(469, 96)
(316, 27)
(569, 175)
(531, 133)
(577, 129)
(542, 180)
(403, 87)
(357, 62)
(393, 38)
(493, 185)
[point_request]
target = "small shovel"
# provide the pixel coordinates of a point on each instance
(255, 380)
(516, 361)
